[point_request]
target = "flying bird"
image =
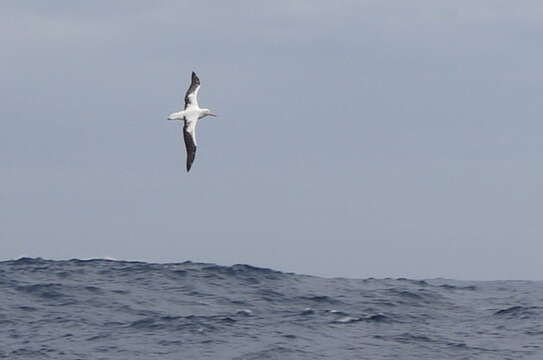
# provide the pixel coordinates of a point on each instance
(190, 115)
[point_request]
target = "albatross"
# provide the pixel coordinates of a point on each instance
(190, 115)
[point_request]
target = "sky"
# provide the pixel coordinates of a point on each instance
(354, 138)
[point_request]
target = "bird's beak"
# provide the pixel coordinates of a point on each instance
(211, 114)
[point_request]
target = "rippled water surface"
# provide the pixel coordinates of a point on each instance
(101, 309)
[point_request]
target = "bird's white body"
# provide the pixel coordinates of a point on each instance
(193, 114)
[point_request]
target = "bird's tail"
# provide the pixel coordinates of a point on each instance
(176, 116)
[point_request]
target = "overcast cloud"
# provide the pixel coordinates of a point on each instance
(355, 138)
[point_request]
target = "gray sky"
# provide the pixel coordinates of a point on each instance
(368, 139)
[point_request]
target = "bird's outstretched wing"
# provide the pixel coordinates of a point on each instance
(192, 92)
(189, 134)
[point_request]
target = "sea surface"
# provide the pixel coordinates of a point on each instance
(102, 309)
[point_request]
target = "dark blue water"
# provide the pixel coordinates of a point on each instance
(100, 309)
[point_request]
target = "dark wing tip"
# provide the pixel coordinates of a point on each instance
(195, 79)
(190, 158)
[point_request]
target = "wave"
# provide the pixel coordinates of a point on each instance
(138, 310)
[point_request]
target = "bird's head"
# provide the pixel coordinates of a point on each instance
(208, 112)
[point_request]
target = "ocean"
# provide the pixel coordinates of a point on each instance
(104, 309)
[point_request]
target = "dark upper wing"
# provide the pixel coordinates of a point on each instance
(192, 92)
(190, 142)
